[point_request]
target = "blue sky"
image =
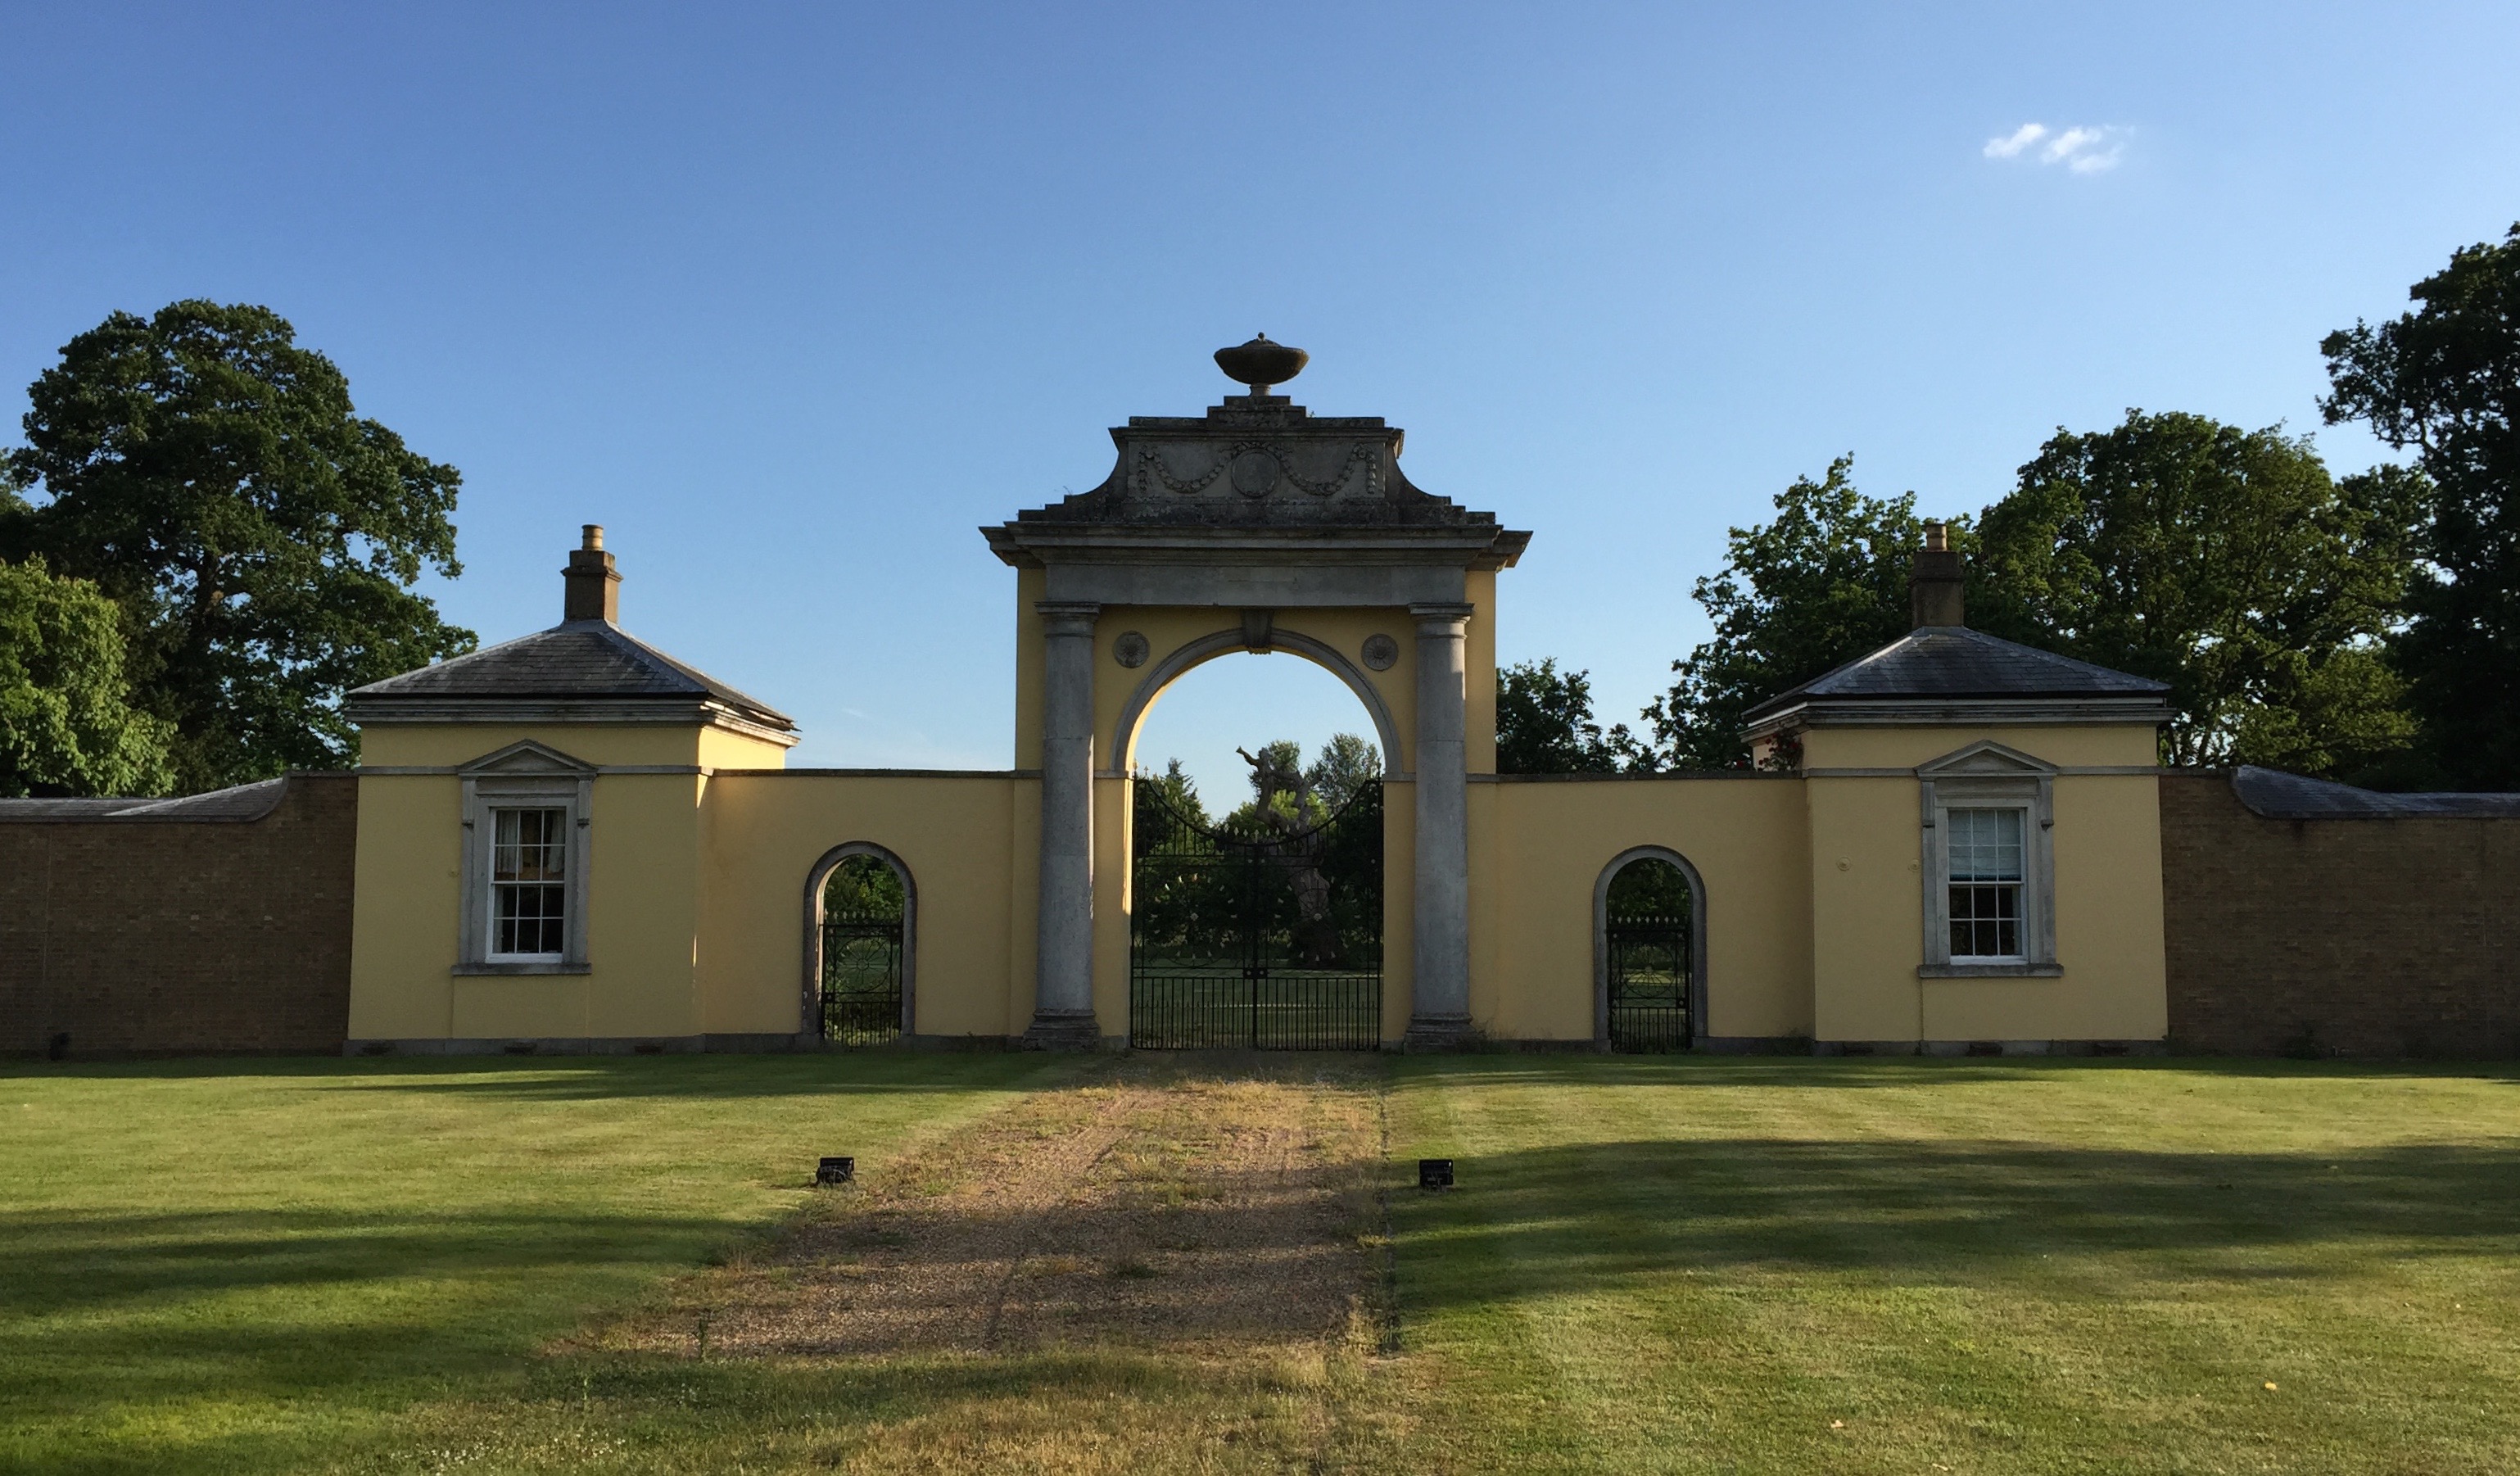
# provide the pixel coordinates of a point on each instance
(792, 299)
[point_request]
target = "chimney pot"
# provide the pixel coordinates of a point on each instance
(590, 583)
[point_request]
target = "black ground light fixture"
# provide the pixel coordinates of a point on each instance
(835, 1171)
(1434, 1173)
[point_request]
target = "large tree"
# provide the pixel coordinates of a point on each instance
(2224, 561)
(2445, 381)
(262, 539)
(65, 725)
(1822, 584)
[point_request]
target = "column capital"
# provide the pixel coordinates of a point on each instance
(1442, 619)
(1067, 617)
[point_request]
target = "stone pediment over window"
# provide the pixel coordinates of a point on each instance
(1985, 759)
(527, 759)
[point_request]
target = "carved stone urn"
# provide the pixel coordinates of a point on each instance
(1261, 364)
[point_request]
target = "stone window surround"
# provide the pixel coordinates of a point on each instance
(523, 776)
(1989, 776)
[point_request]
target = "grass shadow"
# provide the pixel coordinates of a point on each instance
(1596, 1216)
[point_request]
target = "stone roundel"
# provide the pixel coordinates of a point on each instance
(1381, 652)
(1255, 472)
(1130, 650)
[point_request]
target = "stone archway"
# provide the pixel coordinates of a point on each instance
(1254, 512)
(818, 879)
(1693, 949)
(1193, 654)
(1265, 926)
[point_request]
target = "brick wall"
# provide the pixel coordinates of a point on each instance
(2338, 936)
(185, 932)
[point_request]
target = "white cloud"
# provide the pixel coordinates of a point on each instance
(2081, 149)
(2014, 142)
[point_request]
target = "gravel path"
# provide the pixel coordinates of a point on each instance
(1165, 1203)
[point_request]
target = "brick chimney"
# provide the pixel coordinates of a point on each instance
(1934, 581)
(594, 587)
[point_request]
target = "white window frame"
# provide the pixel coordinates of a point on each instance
(523, 777)
(1989, 776)
(499, 811)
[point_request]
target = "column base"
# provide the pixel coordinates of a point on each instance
(1063, 1030)
(1438, 1032)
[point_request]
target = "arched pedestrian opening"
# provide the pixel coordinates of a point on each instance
(1256, 907)
(860, 952)
(1649, 916)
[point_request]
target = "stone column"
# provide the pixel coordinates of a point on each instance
(1064, 990)
(1439, 1011)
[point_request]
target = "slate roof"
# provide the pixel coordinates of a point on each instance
(251, 801)
(573, 660)
(2279, 795)
(1953, 661)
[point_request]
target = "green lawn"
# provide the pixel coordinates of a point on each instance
(262, 1265)
(1678, 1264)
(1920, 1266)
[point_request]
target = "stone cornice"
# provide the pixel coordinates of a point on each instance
(679, 712)
(1959, 712)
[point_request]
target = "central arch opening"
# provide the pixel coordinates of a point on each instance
(1256, 862)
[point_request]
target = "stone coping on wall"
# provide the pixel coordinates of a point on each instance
(240, 803)
(2277, 795)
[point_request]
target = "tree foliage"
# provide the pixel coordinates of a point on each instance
(65, 725)
(212, 479)
(1821, 584)
(1284, 878)
(2226, 563)
(1650, 887)
(1346, 764)
(2445, 381)
(1544, 724)
(864, 886)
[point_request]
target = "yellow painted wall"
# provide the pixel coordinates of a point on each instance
(402, 924)
(1866, 890)
(2108, 933)
(447, 744)
(1169, 628)
(1398, 904)
(642, 875)
(698, 920)
(968, 842)
(1480, 647)
(1030, 586)
(724, 748)
(1111, 847)
(1538, 849)
(2117, 746)
(1867, 906)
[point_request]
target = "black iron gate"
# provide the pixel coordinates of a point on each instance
(1257, 934)
(861, 977)
(1649, 979)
